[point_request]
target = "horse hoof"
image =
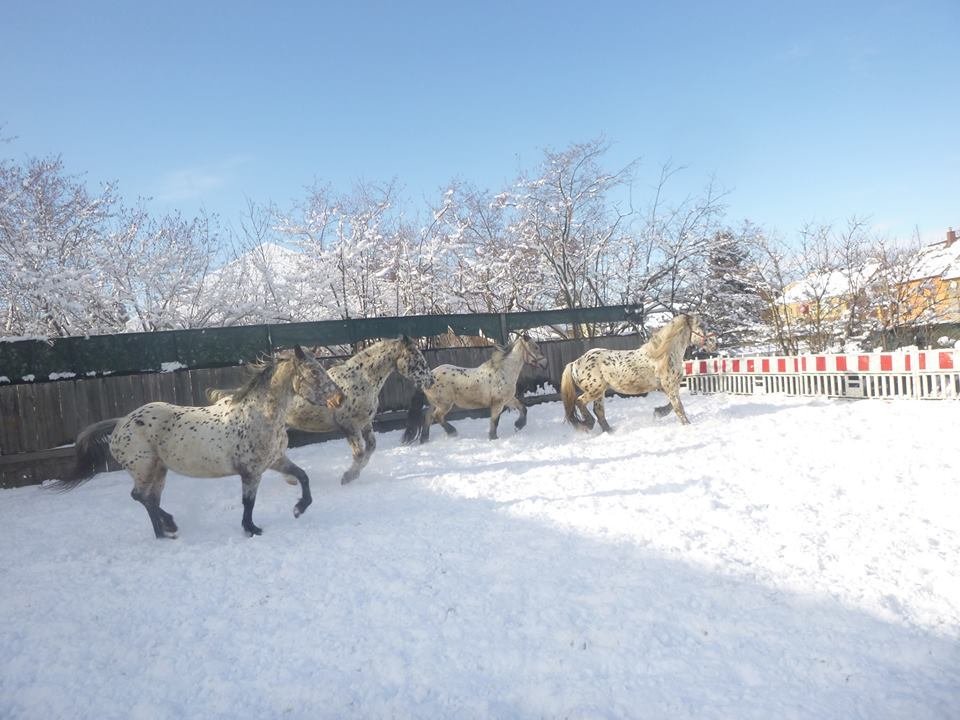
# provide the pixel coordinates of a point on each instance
(298, 510)
(253, 530)
(345, 480)
(292, 481)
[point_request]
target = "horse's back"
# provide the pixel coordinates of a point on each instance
(468, 388)
(193, 441)
(630, 372)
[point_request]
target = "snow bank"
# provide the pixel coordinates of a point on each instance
(778, 558)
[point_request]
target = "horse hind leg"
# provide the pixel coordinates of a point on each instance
(588, 421)
(448, 428)
(426, 422)
(662, 410)
(148, 482)
(598, 408)
(295, 473)
(361, 453)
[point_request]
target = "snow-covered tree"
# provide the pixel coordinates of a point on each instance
(52, 243)
(731, 305)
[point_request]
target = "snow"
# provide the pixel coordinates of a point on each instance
(828, 285)
(938, 259)
(171, 366)
(61, 375)
(778, 558)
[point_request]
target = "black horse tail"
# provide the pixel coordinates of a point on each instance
(92, 449)
(414, 417)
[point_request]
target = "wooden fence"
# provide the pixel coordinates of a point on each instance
(39, 421)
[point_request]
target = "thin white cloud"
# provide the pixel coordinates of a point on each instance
(194, 183)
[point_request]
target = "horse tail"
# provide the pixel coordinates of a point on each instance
(414, 417)
(215, 395)
(92, 450)
(568, 392)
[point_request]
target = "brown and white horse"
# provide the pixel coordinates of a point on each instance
(656, 365)
(242, 436)
(360, 378)
(490, 385)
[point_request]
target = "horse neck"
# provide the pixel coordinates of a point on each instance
(678, 346)
(273, 398)
(376, 362)
(512, 363)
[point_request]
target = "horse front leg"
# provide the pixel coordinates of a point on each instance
(517, 404)
(297, 473)
(495, 412)
(371, 443)
(250, 483)
(674, 397)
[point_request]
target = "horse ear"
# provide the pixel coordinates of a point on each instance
(525, 335)
(298, 351)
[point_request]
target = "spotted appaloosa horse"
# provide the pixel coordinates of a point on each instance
(656, 365)
(242, 436)
(491, 385)
(361, 378)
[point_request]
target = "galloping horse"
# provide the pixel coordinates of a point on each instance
(244, 436)
(492, 384)
(656, 365)
(360, 378)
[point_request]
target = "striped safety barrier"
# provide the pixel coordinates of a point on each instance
(923, 374)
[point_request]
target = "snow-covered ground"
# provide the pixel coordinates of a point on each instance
(779, 558)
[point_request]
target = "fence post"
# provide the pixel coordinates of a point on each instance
(503, 329)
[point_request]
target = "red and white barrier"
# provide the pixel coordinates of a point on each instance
(926, 374)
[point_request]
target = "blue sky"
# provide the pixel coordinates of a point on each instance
(804, 111)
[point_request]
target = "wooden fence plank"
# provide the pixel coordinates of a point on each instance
(11, 421)
(31, 431)
(183, 390)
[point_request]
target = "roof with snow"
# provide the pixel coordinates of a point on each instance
(937, 260)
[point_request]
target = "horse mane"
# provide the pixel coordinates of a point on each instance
(361, 355)
(499, 355)
(262, 372)
(662, 341)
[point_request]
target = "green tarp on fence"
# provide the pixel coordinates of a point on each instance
(40, 361)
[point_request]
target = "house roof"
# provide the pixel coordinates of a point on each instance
(936, 260)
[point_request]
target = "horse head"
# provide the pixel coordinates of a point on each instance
(311, 382)
(700, 337)
(412, 364)
(531, 353)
